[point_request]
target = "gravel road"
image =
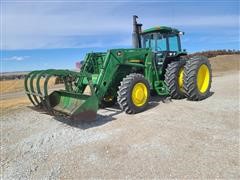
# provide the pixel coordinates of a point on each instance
(172, 139)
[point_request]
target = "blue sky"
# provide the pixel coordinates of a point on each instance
(57, 34)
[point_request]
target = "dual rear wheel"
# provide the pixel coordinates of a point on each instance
(191, 78)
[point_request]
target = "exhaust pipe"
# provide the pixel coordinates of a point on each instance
(137, 29)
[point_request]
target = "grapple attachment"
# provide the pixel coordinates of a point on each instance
(70, 101)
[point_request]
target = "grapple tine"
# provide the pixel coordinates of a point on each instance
(68, 102)
(32, 87)
(38, 84)
(41, 95)
(27, 91)
(45, 89)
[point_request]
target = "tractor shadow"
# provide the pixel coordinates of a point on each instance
(156, 100)
(103, 116)
(210, 94)
(107, 115)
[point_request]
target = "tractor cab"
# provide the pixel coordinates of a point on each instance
(164, 42)
(161, 39)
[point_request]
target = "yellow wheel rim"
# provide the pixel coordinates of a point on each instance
(139, 94)
(203, 77)
(180, 78)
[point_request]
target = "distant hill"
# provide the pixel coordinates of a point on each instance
(214, 53)
(225, 64)
(13, 75)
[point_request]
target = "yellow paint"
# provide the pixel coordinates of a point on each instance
(135, 60)
(139, 94)
(203, 78)
(180, 78)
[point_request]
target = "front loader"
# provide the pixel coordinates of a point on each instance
(156, 63)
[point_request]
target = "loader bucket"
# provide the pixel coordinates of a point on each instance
(77, 106)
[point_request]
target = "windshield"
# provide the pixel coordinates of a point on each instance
(156, 41)
(160, 42)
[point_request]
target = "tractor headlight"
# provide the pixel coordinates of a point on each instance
(181, 33)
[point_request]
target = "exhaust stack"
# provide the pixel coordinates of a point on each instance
(137, 29)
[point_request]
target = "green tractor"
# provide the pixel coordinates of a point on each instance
(156, 64)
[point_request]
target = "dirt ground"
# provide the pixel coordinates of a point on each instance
(172, 139)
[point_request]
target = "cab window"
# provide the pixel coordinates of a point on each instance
(161, 43)
(149, 41)
(173, 43)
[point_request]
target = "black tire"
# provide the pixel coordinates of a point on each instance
(190, 84)
(125, 93)
(171, 79)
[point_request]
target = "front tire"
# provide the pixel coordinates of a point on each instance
(133, 93)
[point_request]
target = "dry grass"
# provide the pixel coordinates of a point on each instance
(10, 86)
(8, 104)
(225, 63)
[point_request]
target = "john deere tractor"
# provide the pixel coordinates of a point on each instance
(156, 64)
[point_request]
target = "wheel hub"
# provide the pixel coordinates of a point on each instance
(180, 78)
(139, 94)
(203, 78)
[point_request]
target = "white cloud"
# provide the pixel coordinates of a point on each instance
(16, 58)
(206, 21)
(39, 25)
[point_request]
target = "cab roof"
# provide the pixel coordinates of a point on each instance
(161, 29)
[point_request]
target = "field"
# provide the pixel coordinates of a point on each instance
(225, 64)
(172, 139)
(12, 93)
(11, 86)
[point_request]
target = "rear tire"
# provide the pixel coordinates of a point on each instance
(133, 93)
(174, 79)
(197, 78)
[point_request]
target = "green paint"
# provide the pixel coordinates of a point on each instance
(161, 29)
